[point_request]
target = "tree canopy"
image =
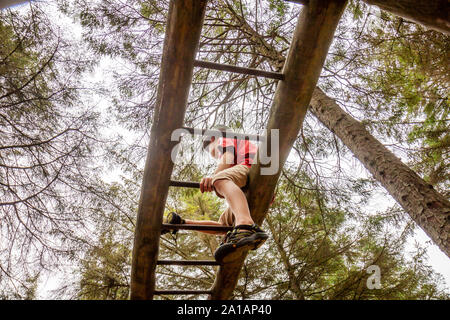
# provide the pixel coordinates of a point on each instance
(58, 205)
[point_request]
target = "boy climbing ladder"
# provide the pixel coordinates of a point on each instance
(234, 158)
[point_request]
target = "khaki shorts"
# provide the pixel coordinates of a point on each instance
(239, 175)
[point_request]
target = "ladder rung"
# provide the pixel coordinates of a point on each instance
(188, 262)
(169, 226)
(186, 184)
(161, 292)
(242, 70)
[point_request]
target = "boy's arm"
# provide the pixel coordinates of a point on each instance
(225, 161)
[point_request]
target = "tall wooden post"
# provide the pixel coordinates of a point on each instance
(312, 38)
(182, 36)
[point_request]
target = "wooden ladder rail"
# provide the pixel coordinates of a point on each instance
(182, 36)
(313, 35)
(241, 70)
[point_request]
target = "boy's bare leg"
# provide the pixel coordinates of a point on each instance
(236, 200)
(206, 223)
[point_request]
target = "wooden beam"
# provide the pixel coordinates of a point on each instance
(196, 227)
(195, 185)
(241, 70)
(185, 19)
(432, 13)
(188, 263)
(11, 3)
(312, 38)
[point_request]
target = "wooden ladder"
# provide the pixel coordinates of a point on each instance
(312, 38)
(179, 11)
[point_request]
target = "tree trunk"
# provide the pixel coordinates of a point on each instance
(431, 13)
(429, 209)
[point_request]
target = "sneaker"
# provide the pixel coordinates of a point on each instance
(173, 218)
(238, 241)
